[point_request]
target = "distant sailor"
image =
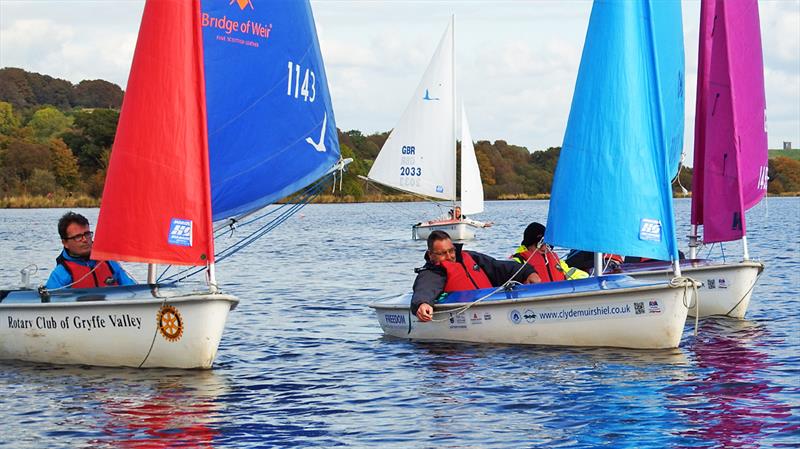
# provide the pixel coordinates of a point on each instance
(449, 269)
(74, 268)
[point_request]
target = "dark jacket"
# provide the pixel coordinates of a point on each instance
(431, 278)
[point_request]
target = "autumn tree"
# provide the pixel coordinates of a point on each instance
(92, 134)
(784, 175)
(9, 122)
(48, 122)
(64, 165)
(98, 94)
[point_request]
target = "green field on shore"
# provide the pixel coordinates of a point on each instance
(791, 154)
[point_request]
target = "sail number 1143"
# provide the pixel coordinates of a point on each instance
(307, 89)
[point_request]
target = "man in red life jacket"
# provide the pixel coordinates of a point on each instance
(542, 258)
(73, 266)
(449, 269)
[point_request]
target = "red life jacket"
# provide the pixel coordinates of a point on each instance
(546, 265)
(101, 276)
(464, 275)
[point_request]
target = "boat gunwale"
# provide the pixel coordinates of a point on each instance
(689, 268)
(131, 301)
(551, 297)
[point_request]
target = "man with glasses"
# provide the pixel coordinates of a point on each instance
(74, 268)
(450, 269)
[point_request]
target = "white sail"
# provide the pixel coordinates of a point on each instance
(419, 155)
(471, 187)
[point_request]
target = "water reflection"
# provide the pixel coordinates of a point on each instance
(123, 408)
(732, 403)
(174, 411)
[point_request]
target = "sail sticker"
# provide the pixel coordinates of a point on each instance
(180, 232)
(763, 177)
(439, 189)
(650, 230)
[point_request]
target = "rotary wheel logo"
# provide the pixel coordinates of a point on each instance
(170, 323)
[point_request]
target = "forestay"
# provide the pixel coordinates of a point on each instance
(611, 191)
(730, 153)
(419, 155)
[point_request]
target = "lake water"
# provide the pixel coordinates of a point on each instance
(303, 361)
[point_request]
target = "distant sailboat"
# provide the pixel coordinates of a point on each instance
(420, 154)
(212, 127)
(730, 154)
(626, 116)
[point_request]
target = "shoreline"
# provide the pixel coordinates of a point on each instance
(44, 202)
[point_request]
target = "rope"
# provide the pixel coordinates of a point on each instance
(155, 334)
(682, 281)
(746, 293)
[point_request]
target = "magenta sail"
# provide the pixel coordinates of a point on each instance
(730, 159)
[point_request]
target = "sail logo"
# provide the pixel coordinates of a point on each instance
(439, 189)
(242, 3)
(320, 146)
(650, 230)
(180, 232)
(763, 177)
(428, 97)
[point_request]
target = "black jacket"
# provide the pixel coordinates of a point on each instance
(431, 278)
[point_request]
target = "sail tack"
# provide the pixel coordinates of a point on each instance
(611, 192)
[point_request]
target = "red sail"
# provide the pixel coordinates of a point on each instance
(156, 205)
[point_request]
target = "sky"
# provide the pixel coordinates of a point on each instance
(516, 61)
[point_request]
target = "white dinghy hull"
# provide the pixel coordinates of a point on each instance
(725, 289)
(122, 326)
(457, 230)
(622, 313)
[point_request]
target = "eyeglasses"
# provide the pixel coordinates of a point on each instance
(444, 253)
(84, 236)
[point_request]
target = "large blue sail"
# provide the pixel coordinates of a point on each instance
(611, 191)
(271, 128)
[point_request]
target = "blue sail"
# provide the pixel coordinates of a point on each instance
(611, 192)
(271, 128)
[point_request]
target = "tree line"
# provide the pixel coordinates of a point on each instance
(56, 139)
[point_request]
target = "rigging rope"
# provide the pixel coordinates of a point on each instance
(288, 210)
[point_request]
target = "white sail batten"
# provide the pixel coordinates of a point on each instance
(419, 155)
(471, 186)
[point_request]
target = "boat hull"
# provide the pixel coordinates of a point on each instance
(457, 230)
(612, 312)
(129, 327)
(725, 289)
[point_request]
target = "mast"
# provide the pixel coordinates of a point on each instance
(455, 141)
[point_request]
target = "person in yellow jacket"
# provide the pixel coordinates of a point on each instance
(542, 258)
